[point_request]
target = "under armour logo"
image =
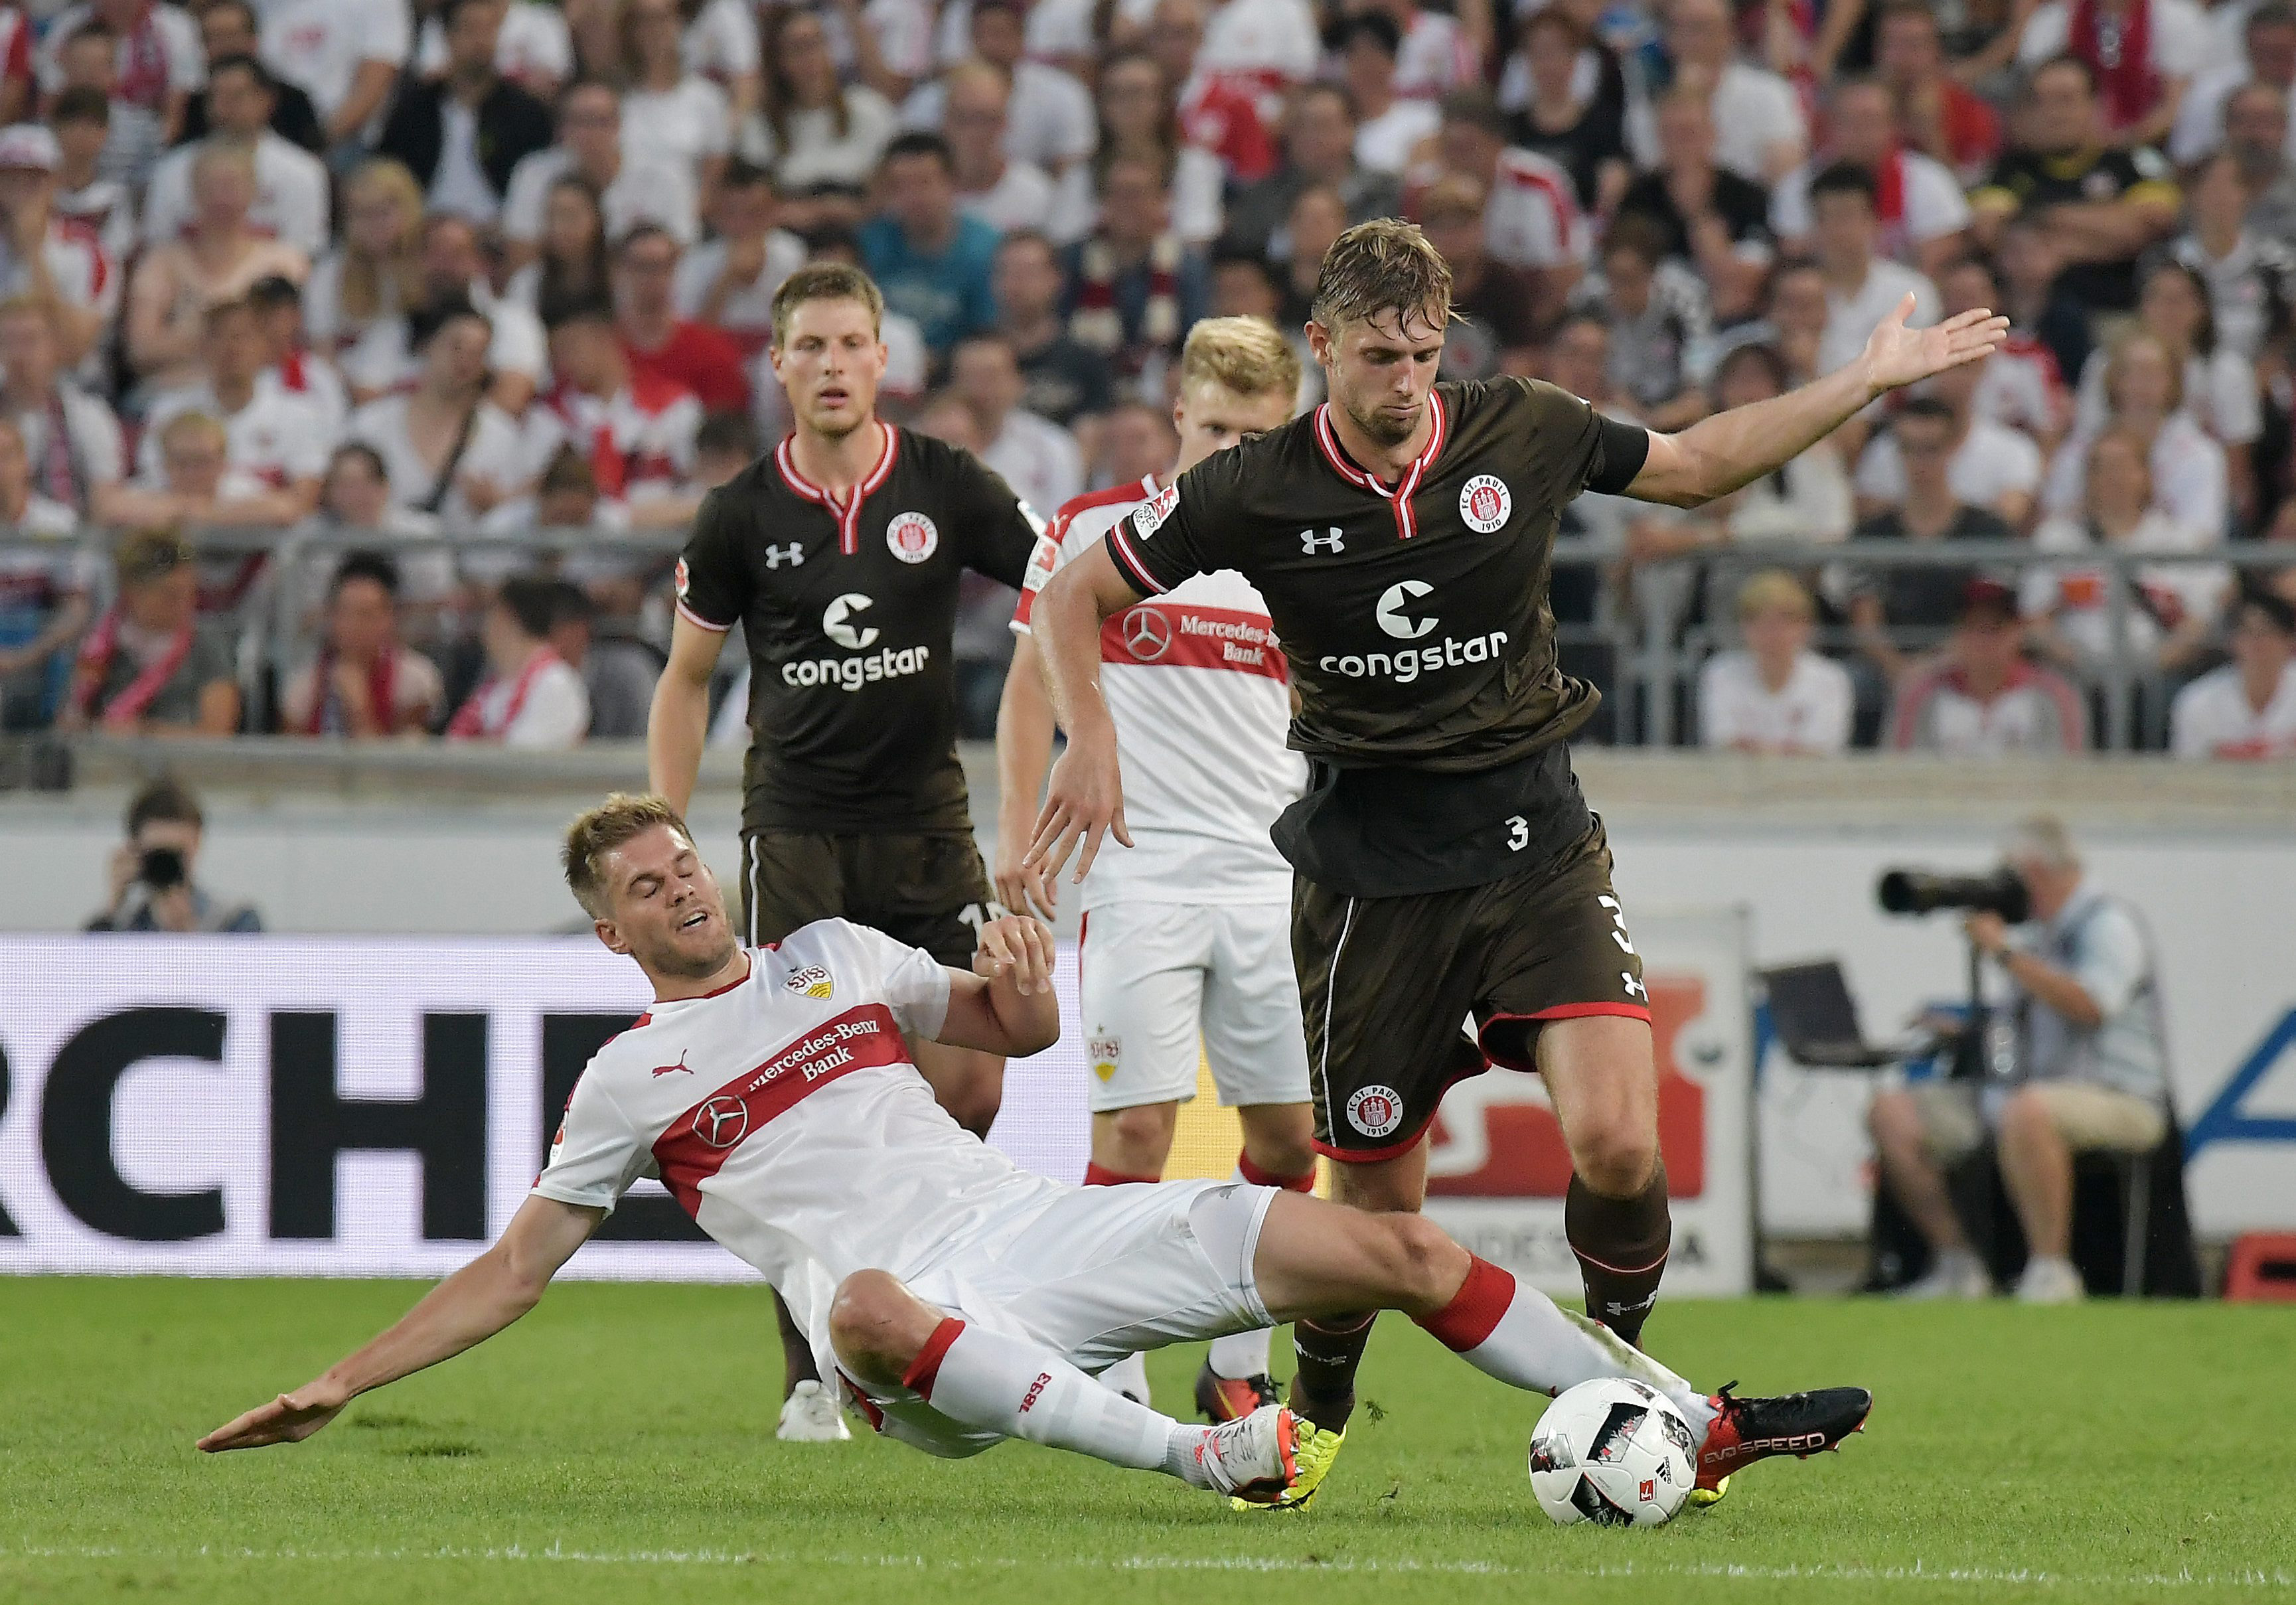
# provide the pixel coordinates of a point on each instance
(1310, 543)
(1635, 988)
(792, 554)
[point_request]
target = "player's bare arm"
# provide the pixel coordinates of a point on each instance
(1731, 449)
(1024, 751)
(1085, 800)
(466, 1309)
(678, 725)
(1006, 1006)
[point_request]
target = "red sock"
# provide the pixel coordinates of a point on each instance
(1305, 1182)
(1474, 1310)
(1100, 1176)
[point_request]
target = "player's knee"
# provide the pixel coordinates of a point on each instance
(1422, 1259)
(1615, 1158)
(875, 1325)
(1143, 1137)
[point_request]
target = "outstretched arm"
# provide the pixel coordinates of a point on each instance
(470, 1307)
(1086, 798)
(1715, 457)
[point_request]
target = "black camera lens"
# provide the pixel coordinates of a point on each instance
(161, 869)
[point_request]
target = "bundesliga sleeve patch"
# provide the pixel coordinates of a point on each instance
(684, 580)
(1151, 514)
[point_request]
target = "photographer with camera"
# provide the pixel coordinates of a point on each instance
(153, 888)
(2076, 1060)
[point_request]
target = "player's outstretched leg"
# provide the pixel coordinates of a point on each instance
(809, 1412)
(1314, 1257)
(1277, 1152)
(886, 1337)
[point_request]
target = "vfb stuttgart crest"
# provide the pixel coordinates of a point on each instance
(1105, 1053)
(812, 981)
(1375, 1111)
(1485, 503)
(912, 537)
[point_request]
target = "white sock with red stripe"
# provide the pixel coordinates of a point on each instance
(1517, 1334)
(1243, 1355)
(1022, 1390)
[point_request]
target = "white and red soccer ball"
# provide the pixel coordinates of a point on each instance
(1613, 1452)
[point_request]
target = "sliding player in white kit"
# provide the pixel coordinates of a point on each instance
(1192, 929)
(960, 1299)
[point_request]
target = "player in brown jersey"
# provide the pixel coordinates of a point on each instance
(1445, 863)
(840, 555)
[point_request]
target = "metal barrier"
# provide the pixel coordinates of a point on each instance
(1636, 624)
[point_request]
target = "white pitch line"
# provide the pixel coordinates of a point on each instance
(1917, 1573)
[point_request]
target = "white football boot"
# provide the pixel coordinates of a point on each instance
(810, 1415)
(2050, 1282)
(1955, 1274)
(1254, 1459)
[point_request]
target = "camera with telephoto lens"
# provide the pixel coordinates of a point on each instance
(1908, 891)
(161, 869)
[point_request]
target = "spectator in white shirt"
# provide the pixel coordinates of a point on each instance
(671, 112)
(1140, 120)
(531, 698)
(1775, 695)
(81, 120)
(345, 54)
(809, 129)
(1862, 287)
(1923, 213)
(728, 282)
(635, 430)
(1763, 134)
(1992, 465)
(44, 257)
(376, 274)
(272, 436)
(1389, 126)
(291, 183)
(1979, 698)
(992, 185)
(454, 268)
(2144, 394)
(2247, 708)
(73, 438)
(190, 482)
(156, 63)
(2250, 275)
(2172, 612)
(1270, 44)
(1038, 458)
(1052, 121)
(723, 44)
(2220, 388)
(2139, 99)
(290, 364)
(630, 191)
(1531, 221)
(448, 450)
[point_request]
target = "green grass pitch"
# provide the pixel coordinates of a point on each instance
(617, 1445)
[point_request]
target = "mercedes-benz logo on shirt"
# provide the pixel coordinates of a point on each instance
(1147, 633)
(722, 1122)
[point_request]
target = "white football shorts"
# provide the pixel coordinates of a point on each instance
(1099, 1273)
(1156, 974)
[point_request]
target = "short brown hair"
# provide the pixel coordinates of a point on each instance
(148, 554)
(622, 817)
(825, 281)
(1245, 355)
(1385, 264)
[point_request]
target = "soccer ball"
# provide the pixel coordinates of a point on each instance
(1612, 1452)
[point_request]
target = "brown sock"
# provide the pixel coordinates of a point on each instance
(797, 1351)
(1621, 1248)
(1328, 1351)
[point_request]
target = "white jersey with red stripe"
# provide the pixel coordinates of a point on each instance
(784, 1114)
(639, 441)
(279, 437)
(1201, 699)
(1533, 218)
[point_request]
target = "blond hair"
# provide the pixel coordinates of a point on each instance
(1775, 588)
(1385, 264)
(825, 281)
(207, 426)
(377, 287)
(621, 818)
(2116, 365)
(1248, 355)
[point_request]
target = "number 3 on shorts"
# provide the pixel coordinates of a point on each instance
(1518, 833)
(1618, 919)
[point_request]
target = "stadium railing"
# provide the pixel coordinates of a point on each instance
(1645, 642)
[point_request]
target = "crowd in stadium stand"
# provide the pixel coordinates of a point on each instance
(490, 266)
